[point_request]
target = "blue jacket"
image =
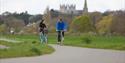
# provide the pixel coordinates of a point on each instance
(61, 26)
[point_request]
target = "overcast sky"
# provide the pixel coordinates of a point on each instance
(39, 6)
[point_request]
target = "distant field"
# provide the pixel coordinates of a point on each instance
(89, 41)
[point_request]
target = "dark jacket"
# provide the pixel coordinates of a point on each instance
(42, 26)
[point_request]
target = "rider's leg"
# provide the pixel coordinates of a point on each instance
(62, 35)
(41, 37)
(46, 39)
(59, 36)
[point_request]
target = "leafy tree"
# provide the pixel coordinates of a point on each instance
(35, 18)
(1, 20)
(118, 25)
(12, 22)
(82, 24)
(106, 13)
(95, 17)
(104, 25)
(3, 28)
(25, 17)
(30, 29)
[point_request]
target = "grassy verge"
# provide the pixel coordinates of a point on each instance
(103, 42)
(24, 49)
(89, 41)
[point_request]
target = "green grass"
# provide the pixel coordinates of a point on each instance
(103, 42)
(24, 49)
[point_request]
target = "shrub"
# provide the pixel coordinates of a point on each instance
(36, 50)
(34, 42)
(87, 40)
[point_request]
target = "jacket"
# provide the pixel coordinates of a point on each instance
(61, 26)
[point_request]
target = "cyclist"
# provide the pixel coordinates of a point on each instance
(43, 32)
(60, 28)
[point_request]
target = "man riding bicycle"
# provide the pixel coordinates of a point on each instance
(43, 32)
(60, 28)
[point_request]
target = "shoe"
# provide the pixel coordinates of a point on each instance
(61, 44)
(62, 38)
(58, 42)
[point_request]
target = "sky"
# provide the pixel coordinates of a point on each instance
(39, 6)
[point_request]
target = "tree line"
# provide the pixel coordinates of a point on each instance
(16, 21)
(106, 23)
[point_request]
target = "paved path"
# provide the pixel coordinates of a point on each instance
(9, 40)
(3, 47)
(67, 54)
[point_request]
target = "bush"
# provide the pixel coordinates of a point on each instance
(36, 50)
(87, 40)
(34, 42)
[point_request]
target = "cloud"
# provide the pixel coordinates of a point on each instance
(103, 5)
(38, 6)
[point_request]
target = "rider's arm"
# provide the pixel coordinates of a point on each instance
(65, 26)
(57, 26)
(44, 25)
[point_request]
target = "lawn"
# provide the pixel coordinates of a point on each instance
(24, 49)
(103, 42)
(89, 41)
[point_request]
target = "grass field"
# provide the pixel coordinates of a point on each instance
(89, 41)
(24, 49)
(113, 42)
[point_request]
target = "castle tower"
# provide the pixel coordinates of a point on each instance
(85, 10)
(67, 8)
(63, 8)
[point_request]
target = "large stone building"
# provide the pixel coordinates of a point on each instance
(67, 13)
(67, 9)
(71, 9)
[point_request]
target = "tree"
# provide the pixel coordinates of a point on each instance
(31, 28)
(106, 13)
(104, 25)
(1, 19)
(12, 22)
(118, 25)
(35, 18)
(82, 24)
(3, 28)
(25, 17)
(95, 17)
